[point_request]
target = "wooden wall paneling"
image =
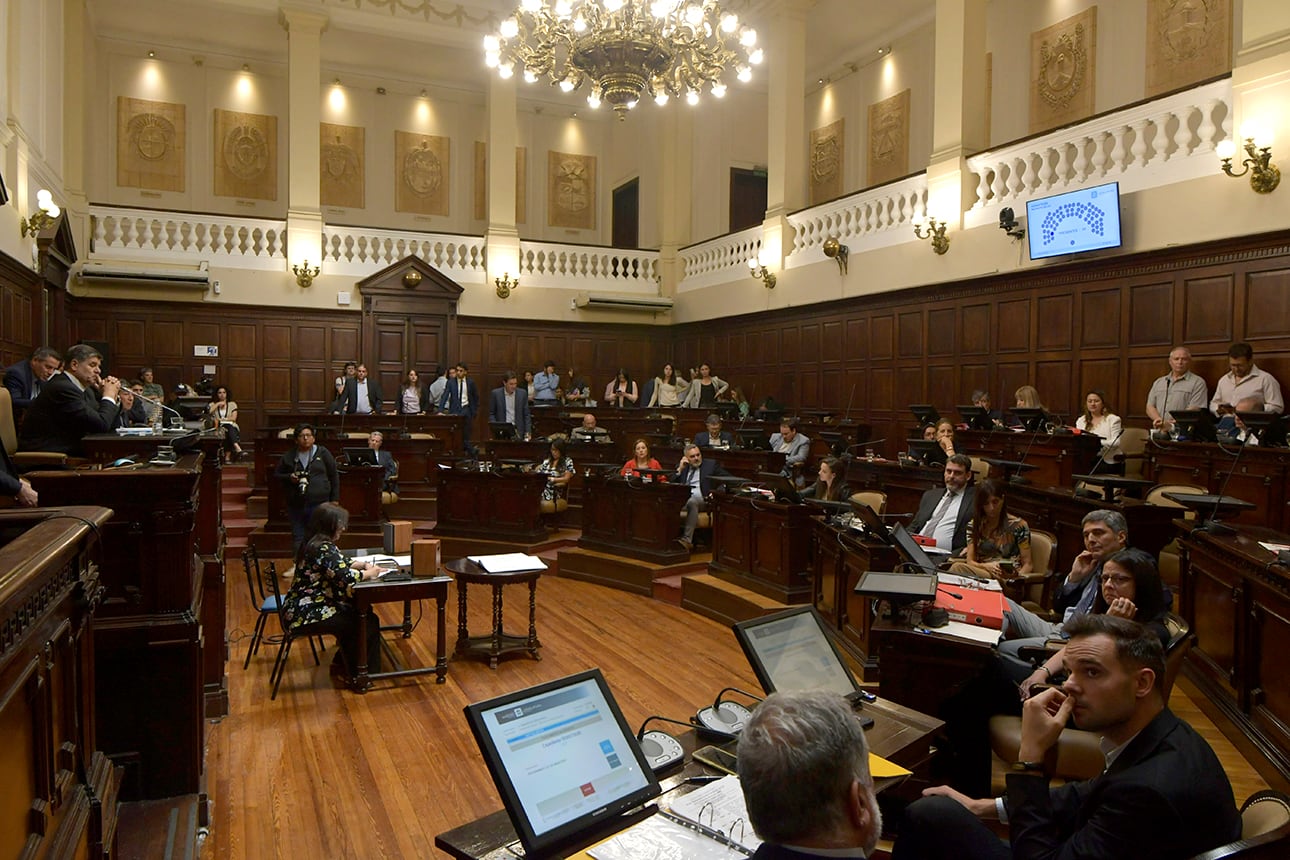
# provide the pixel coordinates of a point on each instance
(1208, 307)
(128, 340)
(1055, 322)
(943, 388)
(1103, 374)
(311, 341)
(974, 332)
(809, 390)
(856, 344)
(243, 384)
(1267, 306)
(1141, 373)
(276, 340)
(910, 387)
(1151, 314)
(882, 392)
(344, 341)
(882, 337)
(584, 356)
(790, 345)
(239, 342)
(737, 355)
(167, 339)
(1100, 318)
(1012, 332)
(831, 342)
(769, 346)
(810, 333)
(1011, 375)
(973, 377)
(607, 361)
(836, 390)
(275, 388)
(528, 354)
(940, 332)
(500, 352)
(470, 349)
(1053, 379)
(909, 342)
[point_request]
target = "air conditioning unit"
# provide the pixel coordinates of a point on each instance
(649, 304)
(103, 273)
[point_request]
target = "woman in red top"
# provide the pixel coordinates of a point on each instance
(642, 460)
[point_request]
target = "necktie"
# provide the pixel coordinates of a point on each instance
(461, 393)
(939, 514)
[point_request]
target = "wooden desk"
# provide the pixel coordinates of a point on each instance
(1055, 458)
(1237, 600)
(106, 447)
(497, 642)
(498, 505)
(360, 495)
(899, 734)
(633, 518)
(60, 792)
(149, 634)
(840, 559)
(366, 594)
(923, 670)
(583, 454)
(763, 546)
(1260, 476)
(446, 427)
(418, 459)
(741, 462)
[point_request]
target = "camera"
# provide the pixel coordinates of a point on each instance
(302, 481)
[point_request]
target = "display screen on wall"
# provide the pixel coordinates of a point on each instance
(1074, 222)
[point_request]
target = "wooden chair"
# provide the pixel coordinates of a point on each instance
(980, 469)
(1265, 829)
(1035, 588)
(1133, 446)
(23, 460)
(1078, 754)
(875, 500)
(1170, 560)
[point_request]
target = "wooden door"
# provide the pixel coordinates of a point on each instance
(401, 342)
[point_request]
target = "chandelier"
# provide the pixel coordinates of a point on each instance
(625, 49)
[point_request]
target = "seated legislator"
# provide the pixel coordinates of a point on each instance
(1099, 420)
(509, 404)
(1177, 389)
(14, 487)
(361, 395)
(25, 378)
(321, 595)
(788, 441)
(998, 544)
(72, 405)
(129, 415)
(1027, 397)
(1242, 433)
(641, 459)
(309, 478)
(621, 392)
(943, 436)
(144, 412)
(1244, 379)
(697, 473)
(713, 436)
(705, 389)
(943, 515)
(804, 771)
(385, 460)
(981, 398)
(1164, 793)
(829, 486)
(414, 398)
(223, 409)
(736, 395)
(558, 468)
(668, 389)
(589, 432)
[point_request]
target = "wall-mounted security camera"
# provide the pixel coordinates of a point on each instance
(1008, 223)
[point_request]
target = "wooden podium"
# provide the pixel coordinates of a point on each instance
(502, 506)
(633, 518)
(763, 546)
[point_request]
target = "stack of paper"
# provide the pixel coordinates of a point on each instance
(511, 562)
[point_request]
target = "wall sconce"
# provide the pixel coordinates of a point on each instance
(759, 271)
(835, 250)
(305, 274)
(935, 232)
(1264, 175)
(505, 284)
(43, 217)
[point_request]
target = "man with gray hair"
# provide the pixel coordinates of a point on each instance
(1177, 389)
(804, 770)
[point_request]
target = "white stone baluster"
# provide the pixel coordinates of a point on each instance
(1139, 148)
(1184, 140)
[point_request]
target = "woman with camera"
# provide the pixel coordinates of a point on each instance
(309, 478)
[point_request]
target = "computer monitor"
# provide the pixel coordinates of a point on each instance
(926, 452)
(790, 650)
(872, 522)
(1269, 427)
(975, 417)
(1196, 424)
(782, 487)
(360, 456)
(563, 759)
(1031, 417)
(753, 440)
(900, 587)
(502, 430)
(925, 413)
(911, 550)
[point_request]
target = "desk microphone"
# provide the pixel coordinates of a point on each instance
(943, 590)
(660, 748)
(162, 405)
(1214, 526)
(724, 719)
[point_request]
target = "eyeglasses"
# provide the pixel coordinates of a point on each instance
(1117, 580)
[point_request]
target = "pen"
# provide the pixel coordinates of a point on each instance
(703, 779)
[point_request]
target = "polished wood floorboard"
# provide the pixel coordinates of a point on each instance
(324, 773)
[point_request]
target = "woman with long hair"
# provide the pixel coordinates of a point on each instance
(998, 543)
(829, 485)
(223, 410)
(641, 459)
(705, 388)
(321, 594)
(1099, 420)
(413, 399)
(622, 391)
(558, 467)
(669, 390)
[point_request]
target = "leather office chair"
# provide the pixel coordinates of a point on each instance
(877, 501)
(1133, 446)
(1034, 589)
(23, 460)
(1265, 829)
(1170, 561)
(1077, 754)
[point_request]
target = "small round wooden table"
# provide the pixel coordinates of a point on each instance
(497, 643)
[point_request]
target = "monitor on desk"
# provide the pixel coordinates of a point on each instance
(1268, 427)
(873, 524)
(1032, 418)
(502, 431)
(790, 651)
(925, 451)
(563, 759)
(753, 440)
(782, 487)
(1197, 425)
(976, 417)
(359, 456)
(914, 553)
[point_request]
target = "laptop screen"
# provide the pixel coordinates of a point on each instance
(790, 651)
(562, 757)
(354, 456)
(909, 548)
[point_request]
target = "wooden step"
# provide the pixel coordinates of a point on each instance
(160, 828)
(625, 574)
(724, 601)
(668, 589)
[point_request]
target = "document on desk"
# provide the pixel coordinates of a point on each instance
(719, 806)
(969, 582)
(511, 562)
(661, 838)
(971, 632)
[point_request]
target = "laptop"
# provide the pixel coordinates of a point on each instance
(782, 487)
(356, 456)
(564, 761)
(917, 555)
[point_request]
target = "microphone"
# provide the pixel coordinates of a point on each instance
(953, 594)
(724, 719)
(846, 416)
(1214, 526)
(660, 748)
(162, 405)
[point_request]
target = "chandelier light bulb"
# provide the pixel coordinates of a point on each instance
(756, 57)
(510, 28)
(1226, 148)
(530, 77)
(506, 71)
(660, 98)
(744, 75)
(719, 90)
(692, 98)
(492, 44)
(566, 86)
(748, 37)
(693, 15)
(492, 60)
(530, 6)
(613, 5)
(659, 8)
(44, 198)
(579, 24)
(593, 101)
(563, 8)
(729, 23)
(52, 211)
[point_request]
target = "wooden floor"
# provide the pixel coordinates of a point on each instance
(325, 773)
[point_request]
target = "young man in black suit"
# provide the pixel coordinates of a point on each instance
(1163, 794)
(697, 472)
(71, 405)
(361, 394)
(461, 397)
(944, 514)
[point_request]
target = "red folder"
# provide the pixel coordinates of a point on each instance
(972, 606)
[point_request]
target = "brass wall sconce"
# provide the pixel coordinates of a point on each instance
(505, 284)
(305, 274)
(1264, 175)
(43, 217)
(759, 271)
(935, 232)
(835, 250)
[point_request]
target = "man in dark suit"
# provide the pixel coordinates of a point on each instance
(697, 473)
(943, 515)
(1163, 794)
(509, 404)
(361, 394)
(460, 397)
(25, 378)
(714, 436)
(385, 460)
(71, 405)
(12, 486)
(820, 797)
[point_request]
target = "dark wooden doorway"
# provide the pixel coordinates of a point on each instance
(747, 198)
(627, 215)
